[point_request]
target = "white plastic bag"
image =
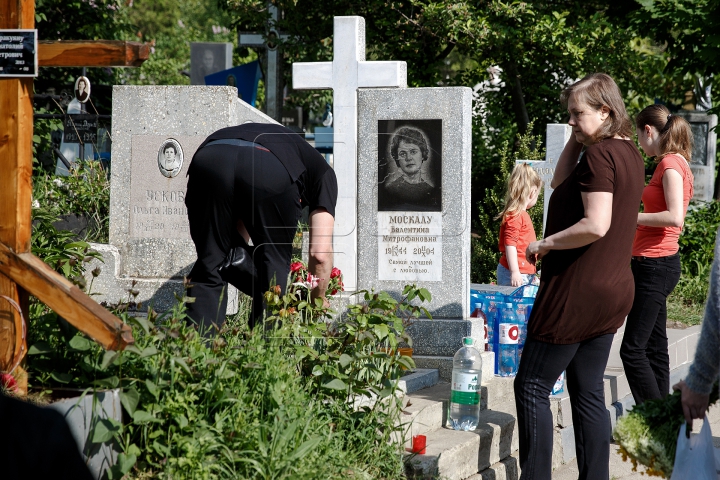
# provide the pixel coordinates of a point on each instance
(694, 457)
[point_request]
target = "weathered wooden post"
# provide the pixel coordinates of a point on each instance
(21, 273)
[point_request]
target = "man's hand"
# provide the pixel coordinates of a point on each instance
(694, 404)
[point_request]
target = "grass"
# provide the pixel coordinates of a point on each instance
(681, 311)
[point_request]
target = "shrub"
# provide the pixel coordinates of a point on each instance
(696, 252)
(243, 404)
(86, 192)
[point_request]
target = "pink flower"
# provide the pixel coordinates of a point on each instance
(294, 267)
(8, 382)
(312, 281)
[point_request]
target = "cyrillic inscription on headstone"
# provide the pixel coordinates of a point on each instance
(80, 129)
(18, 53)
(157, 202)
(410, 246)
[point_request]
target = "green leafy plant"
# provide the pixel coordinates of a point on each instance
(357, 355)
(85, 192)
(648, 434)
(232, 406)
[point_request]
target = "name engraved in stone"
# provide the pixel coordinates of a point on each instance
(409, 253)
(157, 201)
(165, 196)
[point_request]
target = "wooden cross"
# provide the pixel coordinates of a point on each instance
(21, 273)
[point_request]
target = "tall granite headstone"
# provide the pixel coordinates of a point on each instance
(156, 131)
(207, 58)
(416, 228)
(704, 154)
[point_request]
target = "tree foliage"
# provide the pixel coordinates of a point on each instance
(689, 28)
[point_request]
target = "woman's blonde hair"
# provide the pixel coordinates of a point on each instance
(597, 90)
(522, 179)
(675, 133)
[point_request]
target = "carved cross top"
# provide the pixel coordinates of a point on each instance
(347, 72)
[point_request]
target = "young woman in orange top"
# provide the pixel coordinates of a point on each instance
(516, 230)
(656, 262)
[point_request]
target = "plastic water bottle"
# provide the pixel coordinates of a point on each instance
(478, 313)
(509, 334)
(465, 394)
(491, 316)
(559, 386)
(522, 327)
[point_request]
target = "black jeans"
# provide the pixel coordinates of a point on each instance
(644, 349)
(540, 366)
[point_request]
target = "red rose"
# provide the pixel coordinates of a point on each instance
(335, 272)
(8, 382)
(334, 292)
(294, 267)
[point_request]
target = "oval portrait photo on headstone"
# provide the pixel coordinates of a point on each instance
(82, 89)
(170, 158)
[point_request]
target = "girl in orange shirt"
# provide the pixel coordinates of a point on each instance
(516, 229)
(656, 262)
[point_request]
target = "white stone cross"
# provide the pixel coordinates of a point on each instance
(558, 135)
(273, 83)
(347, 72)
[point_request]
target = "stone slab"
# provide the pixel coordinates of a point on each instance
(443, 337)
(498, 437)
(420, 378)
(453, 107)
(506, 469)
(450, 455)
(444, 365)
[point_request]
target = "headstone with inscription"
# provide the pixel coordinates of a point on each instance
(704, 153)
(207, 58)
(414, 194)
(156, 131)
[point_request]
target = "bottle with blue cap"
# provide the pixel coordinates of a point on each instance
(508, 336)
(465, 393)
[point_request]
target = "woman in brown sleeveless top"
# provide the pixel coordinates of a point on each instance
(586, 286)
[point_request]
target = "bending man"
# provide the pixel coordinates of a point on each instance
(250, 183)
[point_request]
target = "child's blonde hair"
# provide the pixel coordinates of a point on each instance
(522, 179)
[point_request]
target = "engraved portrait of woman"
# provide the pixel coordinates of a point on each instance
(409, 171)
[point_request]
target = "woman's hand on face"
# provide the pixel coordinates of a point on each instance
(535, 251)
(694, 404)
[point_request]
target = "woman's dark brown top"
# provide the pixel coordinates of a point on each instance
(588, 291)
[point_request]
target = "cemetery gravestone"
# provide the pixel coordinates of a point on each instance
(557, 136)
(208, 58)
(704, 153)
(418, 232)
(156, 131)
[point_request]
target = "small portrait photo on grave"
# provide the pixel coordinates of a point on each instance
(170, 158)
(82, 89)
(410, 165)
(208, 58)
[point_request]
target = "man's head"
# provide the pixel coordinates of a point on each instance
(409, 149)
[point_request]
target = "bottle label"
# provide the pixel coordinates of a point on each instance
(465, 388)
(509, 334)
